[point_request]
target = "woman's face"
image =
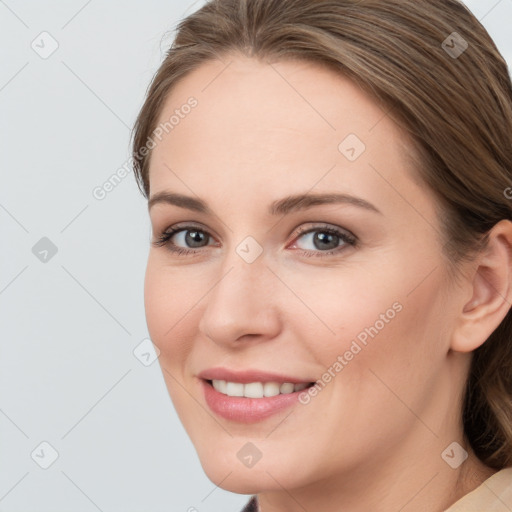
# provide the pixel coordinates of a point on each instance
(278, 286)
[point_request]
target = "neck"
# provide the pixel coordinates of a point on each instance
(414, 479)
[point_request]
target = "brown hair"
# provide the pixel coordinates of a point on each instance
(451, 92)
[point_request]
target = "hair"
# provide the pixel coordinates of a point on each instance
(456, 108)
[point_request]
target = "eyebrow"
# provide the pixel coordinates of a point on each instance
(279, 207)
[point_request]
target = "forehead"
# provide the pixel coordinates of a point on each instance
(289, 124)
(300, 97)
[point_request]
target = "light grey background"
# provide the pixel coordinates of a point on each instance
(69, 326)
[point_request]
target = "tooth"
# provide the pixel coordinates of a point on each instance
(256, 389)
(286, 387)
(234, 389)
(253, 390)
(271, 389)
(219, 385)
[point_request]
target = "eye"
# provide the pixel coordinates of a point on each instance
(187, 235)
(325, 240)
(322, 240)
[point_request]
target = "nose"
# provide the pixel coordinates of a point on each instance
(242, 305)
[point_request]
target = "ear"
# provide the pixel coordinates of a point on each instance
(490, 286)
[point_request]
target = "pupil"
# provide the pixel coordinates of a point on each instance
(193, 237)
(323, 237)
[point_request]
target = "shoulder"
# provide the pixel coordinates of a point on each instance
(493, 495)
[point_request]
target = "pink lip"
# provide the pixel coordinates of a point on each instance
(248, 376)
(247, 410)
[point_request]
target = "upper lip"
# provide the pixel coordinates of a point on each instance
(247, 376)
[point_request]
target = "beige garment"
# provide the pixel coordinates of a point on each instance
(493, 495)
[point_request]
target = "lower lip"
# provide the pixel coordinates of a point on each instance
(247, 410)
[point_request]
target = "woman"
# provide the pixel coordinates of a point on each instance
(329, 280)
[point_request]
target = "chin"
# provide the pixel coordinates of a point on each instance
(270, 473)
(240, 480)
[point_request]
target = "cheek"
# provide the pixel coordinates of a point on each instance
(389, 318)
(338, 306)
(157, 304)
(403, 345)
(169, 318)
(169, 301)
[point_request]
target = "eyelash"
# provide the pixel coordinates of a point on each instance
(349, 239)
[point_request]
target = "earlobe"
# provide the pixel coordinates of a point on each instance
(491, 291)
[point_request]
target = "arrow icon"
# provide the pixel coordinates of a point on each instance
(455, 45)
(44, 455)
(44, 44)
(454, 455)
(249, 249)
(249, 455)
(351, 147)
(146, 352)
(44, 250)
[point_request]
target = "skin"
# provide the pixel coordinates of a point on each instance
(372, 439)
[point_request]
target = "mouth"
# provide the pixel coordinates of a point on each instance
(251, 402)
(256, 389)
(251, 395)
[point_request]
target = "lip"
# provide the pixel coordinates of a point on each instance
(247, 410)
(247, 376)
(244, 409)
